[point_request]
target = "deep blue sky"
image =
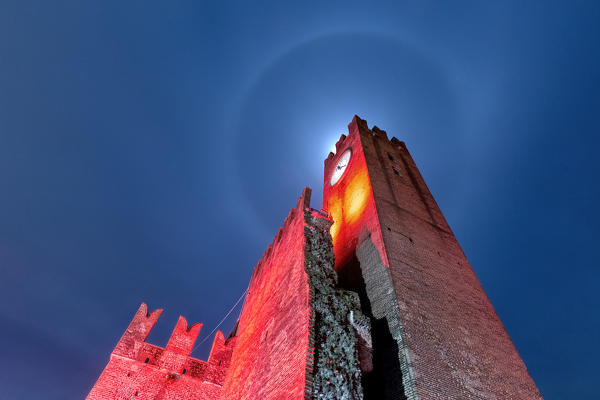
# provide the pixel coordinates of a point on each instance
(149, 152)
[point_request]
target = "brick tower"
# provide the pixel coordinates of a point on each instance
(371, 298)
(435, 334)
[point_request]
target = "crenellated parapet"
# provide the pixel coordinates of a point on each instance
(183, 338)
(360, 127)
(137, 366)
(302, 207)
(137, 332)
(175, 356)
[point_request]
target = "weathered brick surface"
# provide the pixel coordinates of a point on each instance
(384, 305)
(139, 370)
(455, 345)
(292, 303)
(270, 358)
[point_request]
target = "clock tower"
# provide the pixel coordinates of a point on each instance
(435, 334)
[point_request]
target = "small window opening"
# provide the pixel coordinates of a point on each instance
(136, 393)
(147, 359)
(129, 374)
(391, 157)
(220, 363)
(410, 240)
(396, 171)
(184, 371)
(389, 229)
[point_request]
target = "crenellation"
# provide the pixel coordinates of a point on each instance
(183, 337)
(379, 133)
(217, 346)
(340, 143)
(137, 332)
(278, 235)
(153, 369)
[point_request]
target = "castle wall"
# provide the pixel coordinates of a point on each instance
(294, 337)
(141, 371)
(273, 333)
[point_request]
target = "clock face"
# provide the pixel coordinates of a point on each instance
(341, 166)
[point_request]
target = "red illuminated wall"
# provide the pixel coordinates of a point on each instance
(141, 371)
(291, 307)
(273, 351)
(451, 342)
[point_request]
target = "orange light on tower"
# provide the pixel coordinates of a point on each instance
(355, 196)
(348, 195)
(346, 208)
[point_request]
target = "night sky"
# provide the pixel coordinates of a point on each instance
(149, 152)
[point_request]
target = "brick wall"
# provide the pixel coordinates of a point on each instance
(294, 337)
(141, 371)
(270, 358)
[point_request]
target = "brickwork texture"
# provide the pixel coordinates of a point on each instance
(140, 370)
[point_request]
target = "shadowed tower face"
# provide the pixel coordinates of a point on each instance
(435, 334)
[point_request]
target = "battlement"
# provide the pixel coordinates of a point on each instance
(175, 356)
(137, 368)
(359, 126)
(302, 206)
(183, 338)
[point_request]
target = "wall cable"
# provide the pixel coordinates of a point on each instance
(223, 320)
